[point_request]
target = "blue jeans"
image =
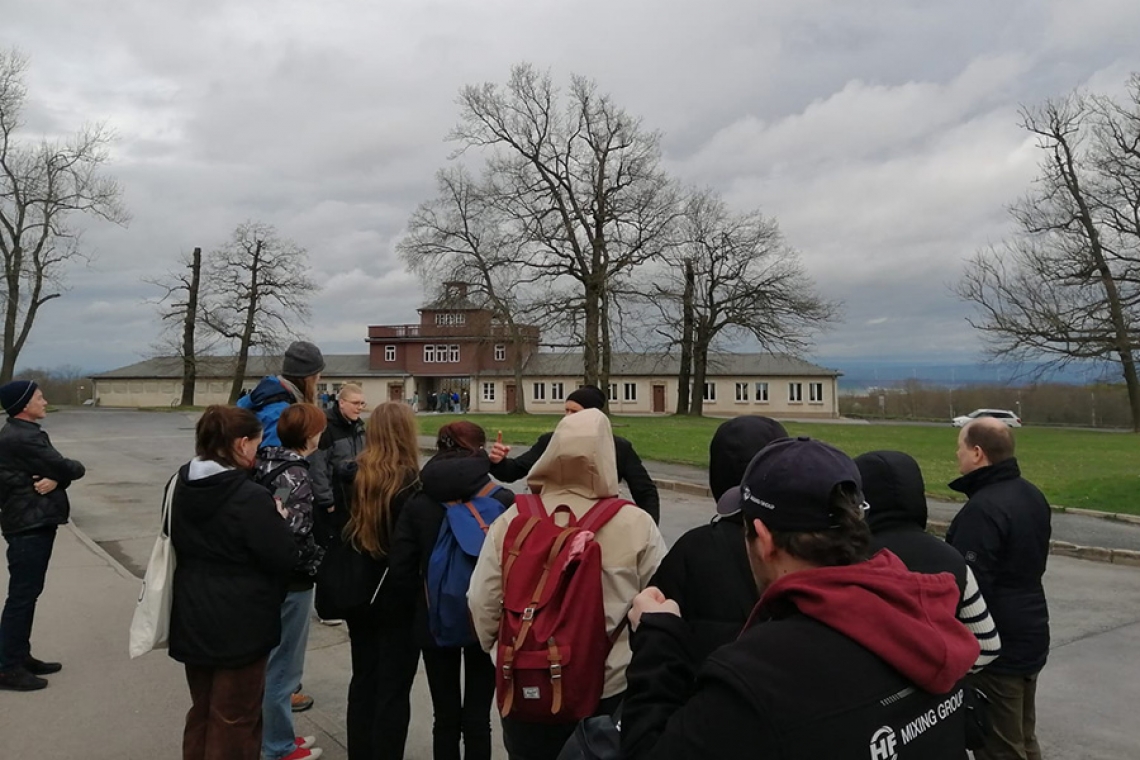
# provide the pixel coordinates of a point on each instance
(28, 557)
(283, 675)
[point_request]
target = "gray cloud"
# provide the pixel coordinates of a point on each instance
(883, 136)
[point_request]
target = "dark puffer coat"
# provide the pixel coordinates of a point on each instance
(25, 453)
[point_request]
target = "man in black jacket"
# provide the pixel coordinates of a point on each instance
(629, 466)
(1003, 532)
(341, 442)
(33, 502)
(844, 657)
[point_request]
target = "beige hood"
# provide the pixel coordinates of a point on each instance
(580, 458)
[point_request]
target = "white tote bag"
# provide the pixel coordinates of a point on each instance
(150, 627)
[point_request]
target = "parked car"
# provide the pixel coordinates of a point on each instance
(1004, 415)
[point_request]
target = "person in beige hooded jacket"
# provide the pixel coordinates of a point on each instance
(577, 469)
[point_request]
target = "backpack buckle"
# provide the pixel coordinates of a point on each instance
(555, 671)
(528, 613)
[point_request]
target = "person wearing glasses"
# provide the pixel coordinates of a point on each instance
(342, 442)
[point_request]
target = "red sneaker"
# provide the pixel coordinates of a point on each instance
(303, 754)
(304, 742)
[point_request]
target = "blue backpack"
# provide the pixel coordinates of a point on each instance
(451, 563)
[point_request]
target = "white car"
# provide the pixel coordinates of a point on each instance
(1006, 416)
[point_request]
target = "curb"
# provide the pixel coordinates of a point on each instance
(102, 553)
(1125, 557)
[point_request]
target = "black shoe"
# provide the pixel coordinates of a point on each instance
(41, 668)
(18, 679)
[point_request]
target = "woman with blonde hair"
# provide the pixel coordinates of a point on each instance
(384, 654)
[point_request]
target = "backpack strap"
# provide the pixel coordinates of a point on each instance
(601, 513)
(530, 505)
(513, 552)
(268, 478)
(487, 490)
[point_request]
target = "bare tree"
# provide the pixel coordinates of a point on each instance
(463, 232)
(1066, 285)
(258, 293)
(41, 185)
(179, 308)
(732, 274)
(581, 180)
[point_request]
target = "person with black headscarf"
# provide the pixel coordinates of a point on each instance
(706, 572)
(629, 466)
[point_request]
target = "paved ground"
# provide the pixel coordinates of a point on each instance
(104, 705)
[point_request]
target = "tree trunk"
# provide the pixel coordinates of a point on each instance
(607, 349)
(189, 359)
(247, 332)
(590, 365)
(685, 377)
(516, 339)
(700, 371)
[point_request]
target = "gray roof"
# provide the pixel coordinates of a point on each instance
(669, 365)
(336, 365)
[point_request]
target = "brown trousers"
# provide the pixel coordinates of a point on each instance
(1013, 713)
(224, 722)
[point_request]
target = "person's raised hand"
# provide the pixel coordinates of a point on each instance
(651, 600)
(499, 450)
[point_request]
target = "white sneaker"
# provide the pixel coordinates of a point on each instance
(305, 742)
(329, 622)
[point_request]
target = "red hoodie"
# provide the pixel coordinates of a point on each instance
(907, 619)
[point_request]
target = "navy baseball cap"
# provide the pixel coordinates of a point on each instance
(788, 484)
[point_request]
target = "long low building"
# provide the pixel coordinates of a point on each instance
(775, 385)
(459, 347)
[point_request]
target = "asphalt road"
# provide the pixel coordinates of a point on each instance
(1086, 694)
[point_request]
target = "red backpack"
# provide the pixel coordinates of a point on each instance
(552, 646)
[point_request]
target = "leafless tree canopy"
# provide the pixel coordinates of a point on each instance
(1066, 285)
(41, 185)
(256, 292)
(732, 275)
(579, 182)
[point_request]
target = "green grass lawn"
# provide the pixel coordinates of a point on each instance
(1074, 468)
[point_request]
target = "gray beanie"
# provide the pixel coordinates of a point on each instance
(302, 359)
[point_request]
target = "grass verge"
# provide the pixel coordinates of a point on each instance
(1074, 468)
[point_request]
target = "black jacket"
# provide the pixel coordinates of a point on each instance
(896, 496)
(341, 442)
(1003, 531)
(234, 555)
(794, 686)
(629, 469)
(707, 574)
(25, 453)
(445, 478)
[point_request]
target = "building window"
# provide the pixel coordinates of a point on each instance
(613, 392)
(429, 354)
(500, 353)
(815, 391)
(540, 391)
(453, 354)
(450, 318)
(762, 392)
(742, 391)
(389, 353)
(710, 392)
(556, 392)
(488, 391)
(795, 392)
(630, 390)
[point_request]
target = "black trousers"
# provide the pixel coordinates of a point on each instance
(384, 662)
(28, 556)
(461, 709)
(543, 741)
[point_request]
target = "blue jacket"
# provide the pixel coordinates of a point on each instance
(267, 401)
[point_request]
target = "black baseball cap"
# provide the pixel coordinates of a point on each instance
(788, 484)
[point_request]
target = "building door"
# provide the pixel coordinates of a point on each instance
(659, 399)
(395, 391)
(509, 394)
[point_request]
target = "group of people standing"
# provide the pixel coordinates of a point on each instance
(813, 617)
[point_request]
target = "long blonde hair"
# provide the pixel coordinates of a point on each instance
(389, 463)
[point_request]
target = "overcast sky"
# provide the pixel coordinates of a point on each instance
(882, 134)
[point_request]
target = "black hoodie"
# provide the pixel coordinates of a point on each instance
(235, 553)
(706, 572)
(446, 477)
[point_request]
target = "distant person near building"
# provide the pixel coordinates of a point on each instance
(1003, 531)
(629, 466)
(34, 479)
